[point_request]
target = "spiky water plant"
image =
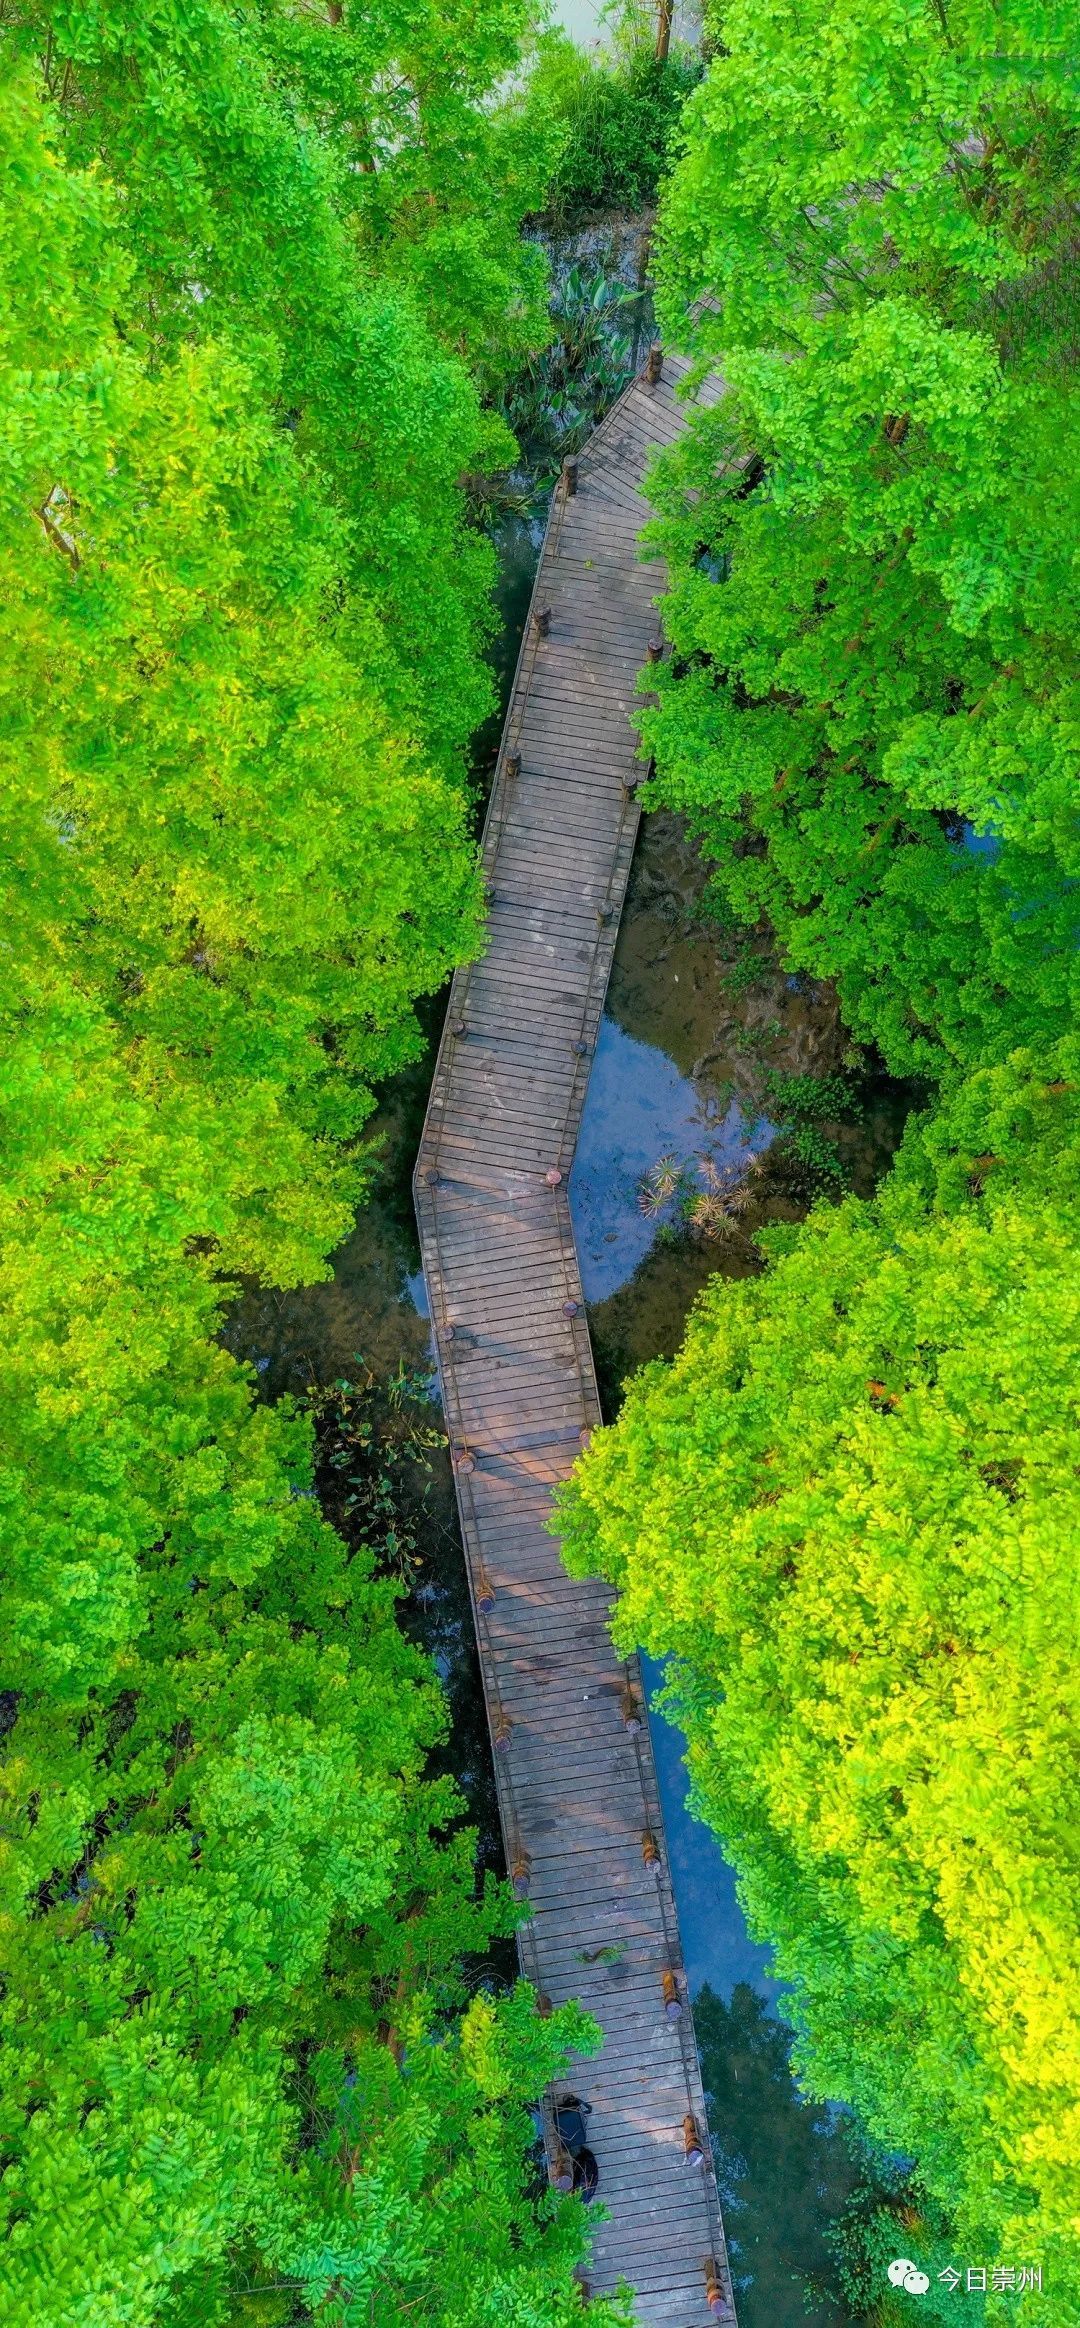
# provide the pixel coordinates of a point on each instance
(659, 1184)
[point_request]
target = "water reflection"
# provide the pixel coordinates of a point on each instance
(717, 1947)
(786, 2169)
(640, 1108)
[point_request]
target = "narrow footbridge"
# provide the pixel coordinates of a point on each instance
(580, 1810)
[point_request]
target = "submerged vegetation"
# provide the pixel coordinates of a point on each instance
(560, 394)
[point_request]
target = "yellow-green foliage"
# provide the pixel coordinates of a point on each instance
(851, 1511)
(851, 1507)
(255, 265)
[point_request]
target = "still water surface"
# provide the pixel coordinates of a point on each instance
(591, 22)
(584, 20)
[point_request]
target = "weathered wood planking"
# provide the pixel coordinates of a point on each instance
(577, 1791)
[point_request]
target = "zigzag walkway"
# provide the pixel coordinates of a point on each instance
(580, 1810)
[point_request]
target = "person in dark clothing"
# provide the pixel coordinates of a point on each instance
(586, 2174)
(570, 2116)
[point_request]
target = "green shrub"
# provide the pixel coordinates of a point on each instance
(812, 1099)
(621, 114)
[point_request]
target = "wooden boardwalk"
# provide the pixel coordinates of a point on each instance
(580, 1810)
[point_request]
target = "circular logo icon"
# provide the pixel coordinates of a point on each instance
(905, 2274)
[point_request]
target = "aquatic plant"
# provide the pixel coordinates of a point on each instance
(727, 1192)
(813, 1098)
(560, 393)
(756, 1037)
(813, 1161)
(659, 1185)
(374, 1438)
(746, 969)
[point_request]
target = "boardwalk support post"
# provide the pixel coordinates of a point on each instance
(714, 2292)
(631, 1710)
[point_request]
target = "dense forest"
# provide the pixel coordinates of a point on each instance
(269, 289)
(848, 1512)
(262, 281)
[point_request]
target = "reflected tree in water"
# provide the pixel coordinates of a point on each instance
(787, 2168)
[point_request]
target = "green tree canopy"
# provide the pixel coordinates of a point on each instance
(850, 1510)
(258, 266)
(236, 2085)
(872, 537)
(237, 2081)
(245, 661)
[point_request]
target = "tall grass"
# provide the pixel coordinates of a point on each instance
(621, 112)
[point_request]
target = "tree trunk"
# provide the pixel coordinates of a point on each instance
(663, 30)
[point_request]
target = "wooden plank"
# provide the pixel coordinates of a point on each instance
(575, 1789)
